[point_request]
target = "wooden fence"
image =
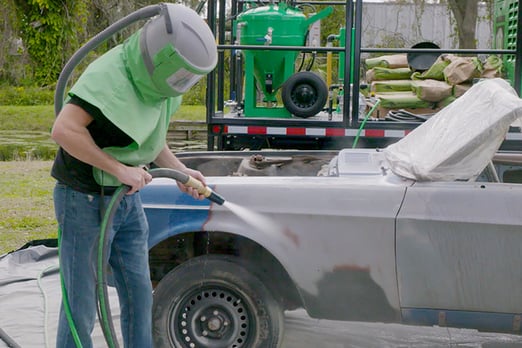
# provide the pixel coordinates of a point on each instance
(187, 135)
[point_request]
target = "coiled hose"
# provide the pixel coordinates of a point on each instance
(103, 246)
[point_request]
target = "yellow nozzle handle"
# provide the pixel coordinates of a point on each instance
(198, 185)
(204, 190)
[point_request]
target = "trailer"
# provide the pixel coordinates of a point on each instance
(266, 93)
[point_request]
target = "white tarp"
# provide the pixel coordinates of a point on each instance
(30, 299)
(458, 142)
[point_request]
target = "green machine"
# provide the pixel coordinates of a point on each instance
(505, 32)
(270, 70)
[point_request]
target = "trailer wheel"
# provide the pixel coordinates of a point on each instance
(212, 302)
(304, 94)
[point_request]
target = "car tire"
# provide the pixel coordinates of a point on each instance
(304, 94)
(211, 302)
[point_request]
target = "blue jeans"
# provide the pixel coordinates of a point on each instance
(78, 216)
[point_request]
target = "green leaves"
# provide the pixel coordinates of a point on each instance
(50, 31)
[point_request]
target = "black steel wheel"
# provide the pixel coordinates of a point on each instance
(304, 94)
(213, 302)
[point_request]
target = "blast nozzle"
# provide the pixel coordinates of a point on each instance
(216, 198)
(187, 180)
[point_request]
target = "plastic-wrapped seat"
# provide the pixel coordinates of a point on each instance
(459, 141)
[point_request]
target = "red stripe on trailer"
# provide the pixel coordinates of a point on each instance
(335, 132)
(256, 130)
(295, 131)
(303, 131)
(374, 133)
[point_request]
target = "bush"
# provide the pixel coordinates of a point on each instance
(196, 95)
(21, 95)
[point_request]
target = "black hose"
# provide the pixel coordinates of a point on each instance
(8, 340)
(405, 116)
(312, 61)
(101, 37)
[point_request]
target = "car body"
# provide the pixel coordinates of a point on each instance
(361, 246)
(338, 234)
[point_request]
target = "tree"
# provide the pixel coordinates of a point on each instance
(51, 31)
(465, 13)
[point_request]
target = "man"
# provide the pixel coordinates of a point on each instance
(114, 122)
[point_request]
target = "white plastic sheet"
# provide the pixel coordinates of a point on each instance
(30, 298)
(23, 317)
(458, 142)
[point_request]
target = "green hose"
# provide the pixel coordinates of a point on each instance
(104, 311)
(104, 308)
(144, 13)
(102, 285)
(102, 288)
(65, 301)
(364, 122)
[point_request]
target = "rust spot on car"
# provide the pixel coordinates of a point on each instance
(292, 236)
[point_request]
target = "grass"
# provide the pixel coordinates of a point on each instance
(26, 118)
(41, 117)
(26, 207)
(25, 130)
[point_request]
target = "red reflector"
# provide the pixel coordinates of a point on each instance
(256, 130)
(376, 133)
(335, 132)
(295, 131)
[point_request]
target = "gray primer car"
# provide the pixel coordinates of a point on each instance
(338, 234)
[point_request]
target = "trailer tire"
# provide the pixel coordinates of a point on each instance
(304, 94)
(211, 301)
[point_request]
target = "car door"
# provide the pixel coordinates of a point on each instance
(459, 252)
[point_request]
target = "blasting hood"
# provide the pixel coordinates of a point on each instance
(178, 48)
(163, 59)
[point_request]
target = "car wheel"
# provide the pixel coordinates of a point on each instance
(213, 302)
(304, 94)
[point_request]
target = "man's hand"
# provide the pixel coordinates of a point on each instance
(167, 159)
(135, 177)
(190, 190)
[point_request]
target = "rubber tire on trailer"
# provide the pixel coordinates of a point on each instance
(304, 94)
(211, 290)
